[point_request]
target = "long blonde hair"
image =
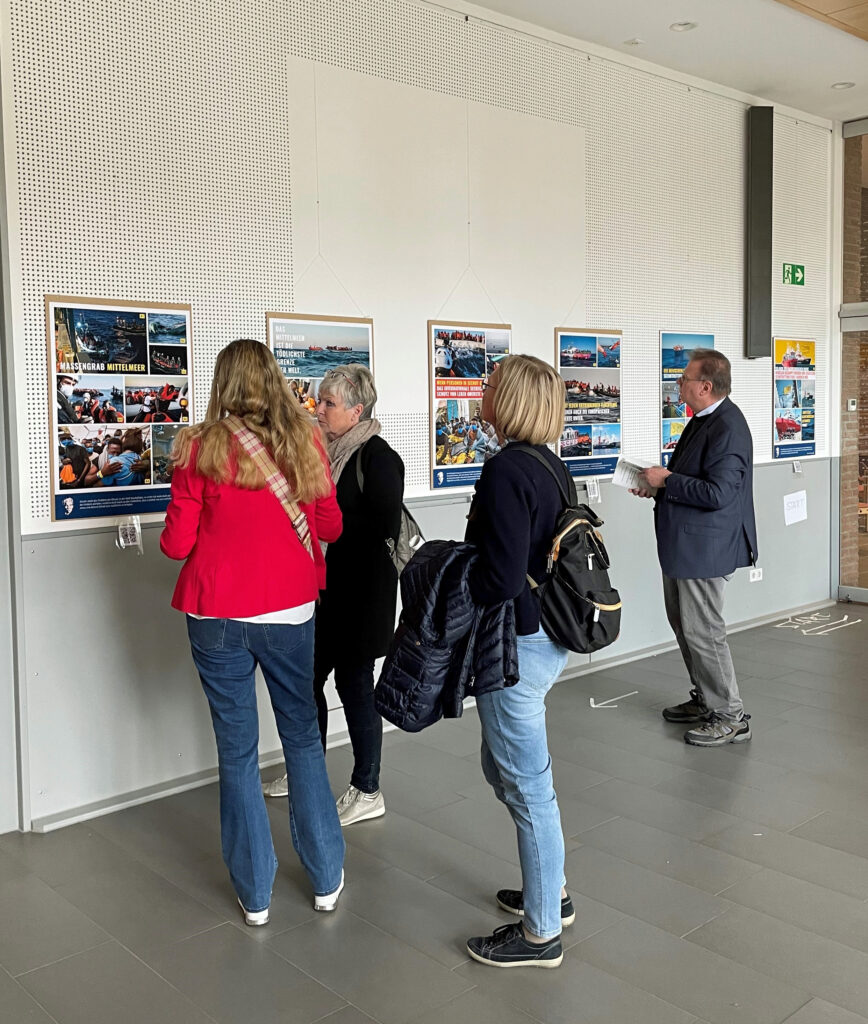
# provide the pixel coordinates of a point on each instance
(249, 383)
(529, 401)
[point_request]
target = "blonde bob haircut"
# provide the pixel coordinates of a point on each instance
(529, 400)
(248, 383)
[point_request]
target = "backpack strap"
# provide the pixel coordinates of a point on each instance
(360, 476)
(568, 489)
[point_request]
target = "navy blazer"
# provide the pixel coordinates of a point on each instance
(704, 514)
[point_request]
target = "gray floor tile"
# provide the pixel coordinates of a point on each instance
(453, 736)
(426, 763)
(692, 978)
(348, 955)
(818, 1011)
(815, 964)
(812, 907)
(801, 858)
(838, 831)
(476, 878)
(236, 981)
(741, 801)
(139, 908)
(39, 926)
(64, 855)
(108, 985)
(475, 1007)
(418, 849)
(575, 993)
(669, 855)
(423, 916)
(607, 759)
(348, 1015)
(659, 809)
(11, 869)
(17, 1006)
(638, 892)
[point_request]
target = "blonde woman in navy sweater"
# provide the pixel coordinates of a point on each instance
(512, 521)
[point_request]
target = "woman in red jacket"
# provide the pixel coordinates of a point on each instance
(251, 499)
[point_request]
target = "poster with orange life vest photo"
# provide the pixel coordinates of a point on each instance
(460, 356)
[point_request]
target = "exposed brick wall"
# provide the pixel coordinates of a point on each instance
(852, 282)
(854, 360)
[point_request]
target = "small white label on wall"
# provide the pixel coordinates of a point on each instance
(795, 507)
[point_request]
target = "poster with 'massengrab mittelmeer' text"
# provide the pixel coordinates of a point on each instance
(676, 351)
(120, 379)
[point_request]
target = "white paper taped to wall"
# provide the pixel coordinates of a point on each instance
(795, 507)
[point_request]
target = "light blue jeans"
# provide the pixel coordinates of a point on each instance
(226, 653)
(517, 765)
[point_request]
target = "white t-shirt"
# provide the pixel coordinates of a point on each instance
(285, 616)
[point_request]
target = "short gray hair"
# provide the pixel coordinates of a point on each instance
(353, 384)
(715, 368)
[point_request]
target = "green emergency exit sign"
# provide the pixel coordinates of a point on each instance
(794, 273)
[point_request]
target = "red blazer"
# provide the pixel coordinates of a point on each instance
(243, 555)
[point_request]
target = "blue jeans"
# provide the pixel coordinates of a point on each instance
(226, 653)
(517, 765)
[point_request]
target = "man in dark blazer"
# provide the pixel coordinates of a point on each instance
(704, 519)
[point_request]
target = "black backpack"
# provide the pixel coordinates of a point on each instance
(579, 608)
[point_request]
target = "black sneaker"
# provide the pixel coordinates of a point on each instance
(507, 947)
(693, 710)
(512, 900)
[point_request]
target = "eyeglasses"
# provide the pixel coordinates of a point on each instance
(693, 380)
(486, 386)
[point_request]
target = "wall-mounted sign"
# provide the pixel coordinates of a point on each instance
(676, 349)
(460, 357)
(794, 273)
(590, 364)
(120, 379)
(793, 388)
(306, 346)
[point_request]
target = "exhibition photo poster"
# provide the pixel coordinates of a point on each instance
(589, 363)
(460, 356)
(676, 351)
(120, 385)
(793, 391)
(306, 346)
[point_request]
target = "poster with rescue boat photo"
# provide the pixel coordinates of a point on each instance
(100, 354)
(793, 388)
(306, 346)
(460, 357)
(589, 362)
(676, 351)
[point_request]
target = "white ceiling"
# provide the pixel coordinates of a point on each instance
(759, 47)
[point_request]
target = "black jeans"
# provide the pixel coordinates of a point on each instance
(354, 680)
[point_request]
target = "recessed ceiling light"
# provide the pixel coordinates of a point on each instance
(635, 41)
(843, 85)
(683, 26)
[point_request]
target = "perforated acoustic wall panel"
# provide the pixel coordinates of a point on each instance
(154, 161)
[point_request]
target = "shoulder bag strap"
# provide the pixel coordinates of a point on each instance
(568, 488)
(276, 481)
(360, 476)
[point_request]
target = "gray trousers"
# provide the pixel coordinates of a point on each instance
(695, 612)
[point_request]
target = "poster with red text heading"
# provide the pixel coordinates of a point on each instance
(460, 356)
(793, 398)
(589, 363)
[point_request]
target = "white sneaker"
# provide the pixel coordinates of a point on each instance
(329, 902)
(354, 805)
(255, 918)
(277, 787)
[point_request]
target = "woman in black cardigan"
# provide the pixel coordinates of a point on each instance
(355, 619)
